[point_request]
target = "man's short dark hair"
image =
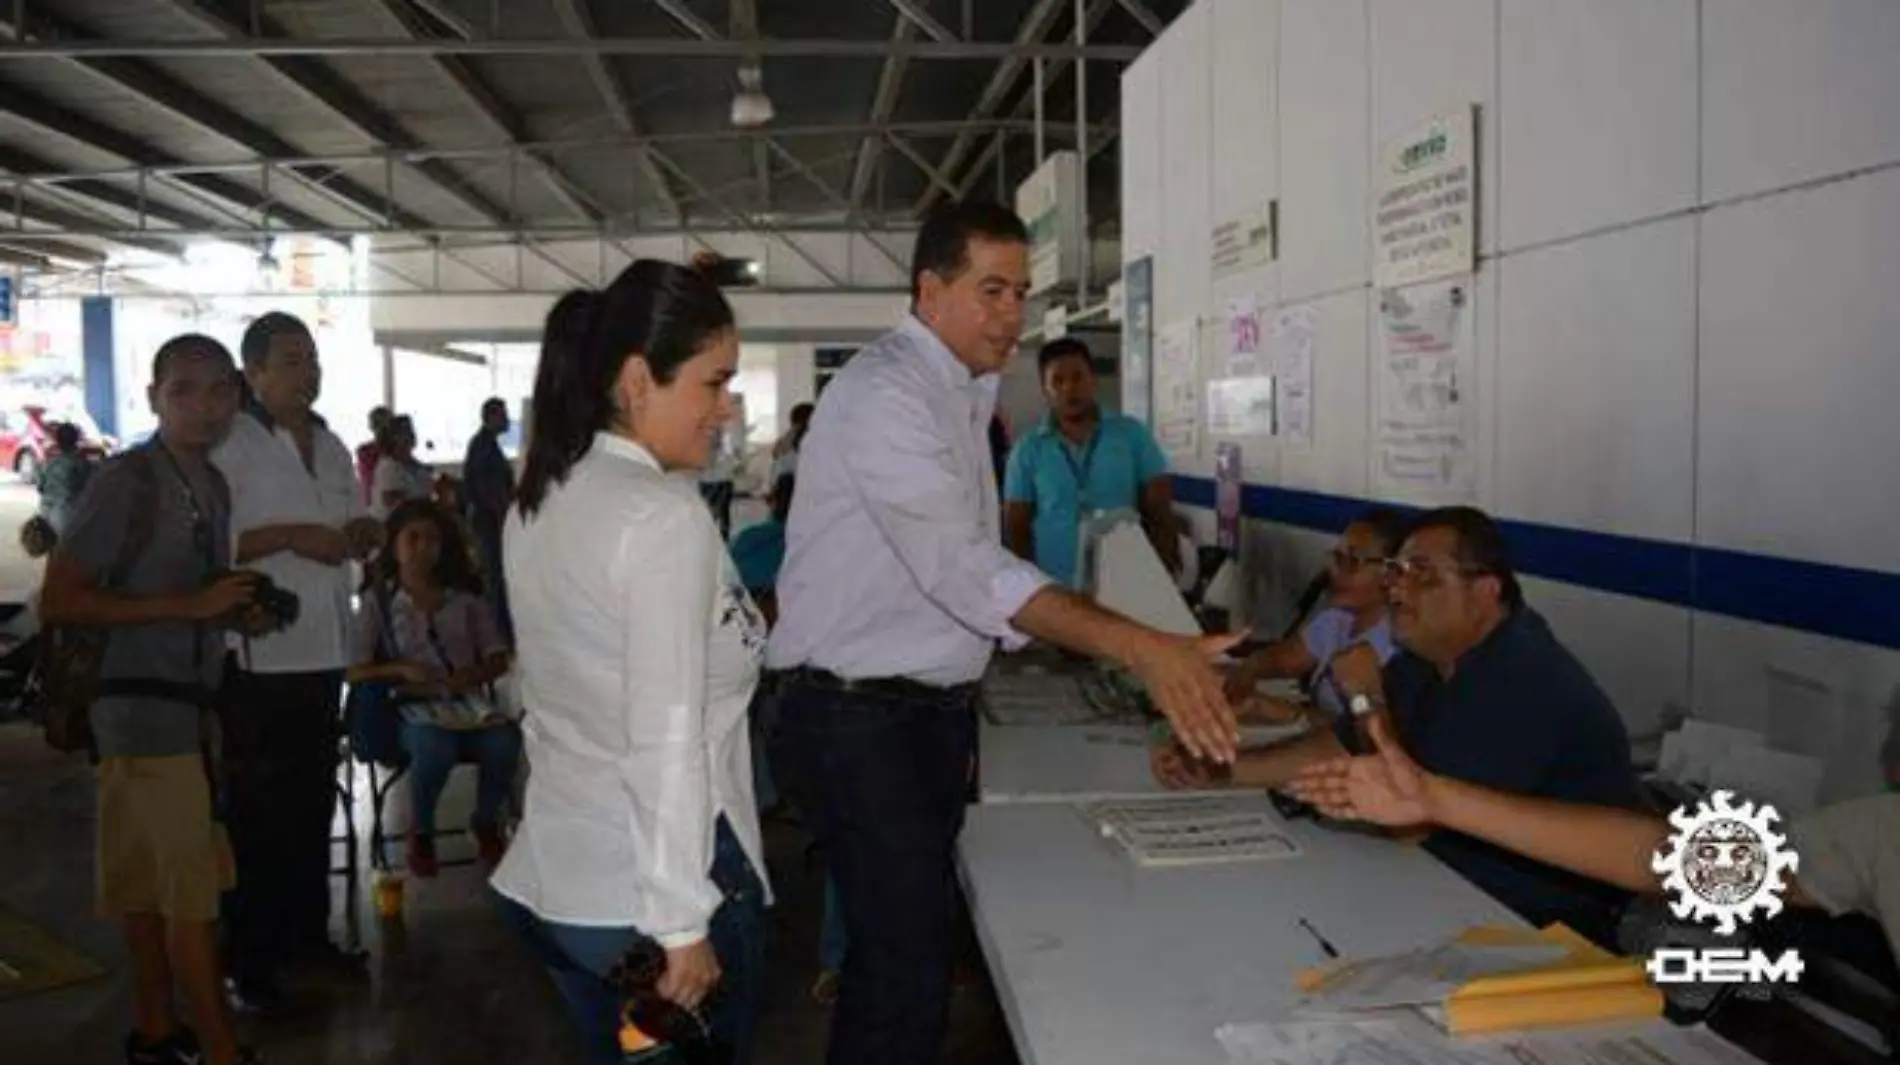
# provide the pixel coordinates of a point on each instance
(66, 436)
(1063, 348)
(1481, 548)
(268, 327)
(186, 346)
(494, 405)
(943, 244)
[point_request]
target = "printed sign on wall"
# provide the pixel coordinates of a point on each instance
(1422, 218)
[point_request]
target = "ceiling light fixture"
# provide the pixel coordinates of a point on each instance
(751, 108)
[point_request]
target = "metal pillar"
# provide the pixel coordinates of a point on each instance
(1037, 90)
(1083, 257)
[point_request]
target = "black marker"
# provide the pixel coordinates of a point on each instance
(1331, 951)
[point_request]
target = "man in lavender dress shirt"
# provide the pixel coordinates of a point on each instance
(896, 588)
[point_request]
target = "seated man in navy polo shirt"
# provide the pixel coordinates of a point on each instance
(1078, 461)
(1483, 693)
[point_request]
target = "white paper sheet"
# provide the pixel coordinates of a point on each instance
(1177, 395)
(1408, 1040)
(1422, 977)
(1292, 364)
(1426, 367)
(1193, 830)
(1240, 406)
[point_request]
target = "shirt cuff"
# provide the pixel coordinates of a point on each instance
(1014, 585)
(685, 938)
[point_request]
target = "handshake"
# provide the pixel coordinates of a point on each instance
(246, 601)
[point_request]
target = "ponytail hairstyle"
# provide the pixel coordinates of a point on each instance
(663, 312)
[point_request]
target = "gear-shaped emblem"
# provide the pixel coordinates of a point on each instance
(1725, 862)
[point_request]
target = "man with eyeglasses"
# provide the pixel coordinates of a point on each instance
(1482, 692)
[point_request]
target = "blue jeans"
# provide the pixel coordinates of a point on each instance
(884, 777)
(434, 753)
(579, 958)
(832, 937)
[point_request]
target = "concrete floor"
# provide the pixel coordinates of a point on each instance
(449, 983)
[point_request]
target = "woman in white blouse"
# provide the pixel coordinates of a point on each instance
(399, 477)
(638, 652)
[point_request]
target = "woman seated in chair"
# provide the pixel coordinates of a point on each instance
(425, 630)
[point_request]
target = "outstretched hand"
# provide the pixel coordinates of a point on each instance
(1180, 677)
(1386, 787)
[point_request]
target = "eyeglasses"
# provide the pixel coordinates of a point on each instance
(1352, 561)
(1425, 573)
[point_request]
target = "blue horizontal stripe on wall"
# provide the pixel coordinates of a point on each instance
(1838, 601)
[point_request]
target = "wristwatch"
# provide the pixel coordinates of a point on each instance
(1363, 704)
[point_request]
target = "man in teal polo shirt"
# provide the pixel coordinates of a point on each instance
(1078, 461)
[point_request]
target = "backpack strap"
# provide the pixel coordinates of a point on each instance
(143, 524)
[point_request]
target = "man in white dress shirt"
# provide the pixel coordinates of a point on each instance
(298, 518)
(896, 588)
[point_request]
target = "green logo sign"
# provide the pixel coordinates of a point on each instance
(1423, 153)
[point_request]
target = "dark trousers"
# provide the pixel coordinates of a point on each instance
(579, 958)
(280, 761)
(884, 778)
(488, 539)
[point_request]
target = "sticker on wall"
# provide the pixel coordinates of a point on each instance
(1227, 482)
(1243, 336)
(1240, 406)
(1292, 364)
(1427, 371)
(1422, 208)
(1177, 401)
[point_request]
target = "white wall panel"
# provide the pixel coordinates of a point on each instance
(1429, 58)
(1596, 384)
(1181, 267)
(1794, 91)
(1141, 154)
(1636, 649)
(1324, 141)
(1813, 695)
(1337, 462)
(1598, 114)
(1244, 172)
(1799, 374)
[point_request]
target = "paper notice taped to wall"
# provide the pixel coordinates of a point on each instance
(1177, 399)
(1427, 403)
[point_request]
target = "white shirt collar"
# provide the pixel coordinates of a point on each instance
(619, 446)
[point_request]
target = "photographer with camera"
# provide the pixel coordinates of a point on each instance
(299, 519)
(143, 564)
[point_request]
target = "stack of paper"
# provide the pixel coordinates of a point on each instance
(1400, 1040)
(1194, 829)
(1493, 980)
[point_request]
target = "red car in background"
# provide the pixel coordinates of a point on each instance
(26, 439)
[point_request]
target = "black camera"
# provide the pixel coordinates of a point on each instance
(277, 603)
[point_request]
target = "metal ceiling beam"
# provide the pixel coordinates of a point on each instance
(1148, 19)
(38, 254)
(930, 170)
(316, 79)
(760, 229)
(500, 116)
(852, 214)
(890, 83)
(52, 121)
(1097, 11)
(1034, 28)
(684, 15)
(578, 22)
(58, 222)
(650, 47)
(26, 164)
(380, 157)
(919, 16)
(167, 92)
(86, 229)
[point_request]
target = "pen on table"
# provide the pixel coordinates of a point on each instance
(1331, 951)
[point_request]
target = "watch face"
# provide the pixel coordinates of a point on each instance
(1361, 705)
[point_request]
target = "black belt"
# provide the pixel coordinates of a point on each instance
(888, 687)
